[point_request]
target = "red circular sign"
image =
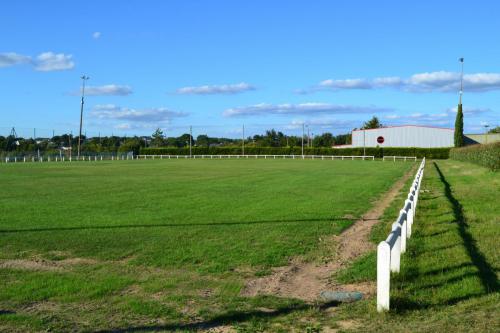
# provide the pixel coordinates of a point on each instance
(380, 139)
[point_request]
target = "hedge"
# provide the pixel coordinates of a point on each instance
(434, 153)
(486, 155)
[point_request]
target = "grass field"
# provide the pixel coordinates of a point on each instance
(449, 275)
(158, 245)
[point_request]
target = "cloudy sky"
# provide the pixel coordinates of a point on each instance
(217, 65)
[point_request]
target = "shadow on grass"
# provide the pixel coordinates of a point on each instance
(486, 272)
(412, 280)
(232, 317)
(175, 225)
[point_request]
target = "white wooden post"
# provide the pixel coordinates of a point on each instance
(403, 231)
(383, 276)
(396, 248)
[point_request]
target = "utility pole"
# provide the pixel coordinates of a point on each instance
(461, 80)
(308, 137)
(364, 142)
(243, 141)
(190, 136)
(84, 78)
(302, 139)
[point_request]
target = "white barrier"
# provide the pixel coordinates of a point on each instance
(389, 251)
(396, 158)
(322, 157)
(145, 157)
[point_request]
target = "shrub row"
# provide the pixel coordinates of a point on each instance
(486, 155)
(434, 153)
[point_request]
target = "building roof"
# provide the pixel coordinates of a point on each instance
(370, 129)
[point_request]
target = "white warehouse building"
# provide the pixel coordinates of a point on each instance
(404, 136)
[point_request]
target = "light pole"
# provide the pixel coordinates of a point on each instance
(364, 142)
(84, 78)
(243, 141)
(190, 136)
(486, 133)
(461, 80)
(302, 139)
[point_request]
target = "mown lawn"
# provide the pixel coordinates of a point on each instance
(160, 245)
(449, 275)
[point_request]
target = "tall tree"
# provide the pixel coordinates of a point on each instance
(459, 127)
(157, 138)
(372, 123)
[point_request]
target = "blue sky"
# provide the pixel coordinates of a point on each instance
(217, 65)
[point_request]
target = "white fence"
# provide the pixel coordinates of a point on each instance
(313, 157)
(396, 158)
(389, 251)
(63, 158)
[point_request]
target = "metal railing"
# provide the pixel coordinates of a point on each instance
(389, 251)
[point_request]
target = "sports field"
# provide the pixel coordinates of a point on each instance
(129, 244)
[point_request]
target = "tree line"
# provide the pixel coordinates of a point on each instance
(112, 144)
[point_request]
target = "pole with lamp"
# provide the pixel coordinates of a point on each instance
(302, 139)
(84, 78)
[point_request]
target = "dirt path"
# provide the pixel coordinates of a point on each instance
(307, 280)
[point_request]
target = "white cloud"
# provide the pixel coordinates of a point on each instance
(150, 115)
(10, 59)
(469, 110)
(108, 90)
(322, 123)
(445, 118)
(49, 61)
(96, 35)
(346, 84)
(124, 126)
(303, 108)
(227, 89)
(440, 81)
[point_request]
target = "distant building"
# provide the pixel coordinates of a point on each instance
(473, 139)
(404, 136)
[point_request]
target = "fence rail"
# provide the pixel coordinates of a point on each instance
(389, 251)
(395, 158)
(107, 157)
(313, 157)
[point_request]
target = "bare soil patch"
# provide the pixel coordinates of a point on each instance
(306, 281)
(40, 264)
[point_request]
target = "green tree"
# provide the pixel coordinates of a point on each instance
(494, 130)
(157, 138)
(459, 127)
(323, 140)
(202, 140)
(372, 123)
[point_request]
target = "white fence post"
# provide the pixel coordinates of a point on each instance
(383, 276)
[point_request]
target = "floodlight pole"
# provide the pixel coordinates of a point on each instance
(84, 78)
(302, 139)
(190, 136)
(308, 138)
(243, 141)
(364, 142)
(461, 80)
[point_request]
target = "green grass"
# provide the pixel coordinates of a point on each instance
(449, 275)
(167, 243)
